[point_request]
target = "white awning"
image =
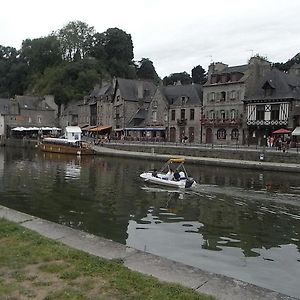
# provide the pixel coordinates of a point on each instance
(296, 131)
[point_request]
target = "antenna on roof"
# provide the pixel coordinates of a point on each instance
(251, 50)
(211, 59)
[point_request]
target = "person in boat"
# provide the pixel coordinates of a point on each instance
(154, 173)
(170, 174)
(182, 175)
(176, 175)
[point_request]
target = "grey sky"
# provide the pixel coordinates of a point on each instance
(175, 35)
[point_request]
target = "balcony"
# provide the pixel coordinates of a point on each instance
(221, 122)
(181, 122)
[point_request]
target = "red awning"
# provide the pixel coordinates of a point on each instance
(281, 131)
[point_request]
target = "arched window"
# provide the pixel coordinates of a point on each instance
(221, 134)
(212, 115)
(234, 134)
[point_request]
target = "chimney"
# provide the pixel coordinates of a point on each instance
(140, 89)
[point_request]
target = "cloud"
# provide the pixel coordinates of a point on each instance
(175, 35)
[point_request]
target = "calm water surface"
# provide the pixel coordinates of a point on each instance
(230, 224)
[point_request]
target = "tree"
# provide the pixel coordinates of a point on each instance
(146, 70)
(76, 39)
(118, 45)
(198, 75)
(41, 53)
(183, 78)
(68, 81)
(13, 72)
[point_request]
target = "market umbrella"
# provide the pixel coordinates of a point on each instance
(281, 131)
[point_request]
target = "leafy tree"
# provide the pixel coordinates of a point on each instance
(69, 81)
(146, 70)
(76, 39)
(183, 78)
(198, 75)
(118, 45)
(13, 72)
(41, 53)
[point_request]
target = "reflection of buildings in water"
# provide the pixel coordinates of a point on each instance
(72, 171)
(1, 163)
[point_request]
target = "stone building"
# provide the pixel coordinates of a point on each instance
(130, 99)
(223, 94)
(185, 106)
(30, 111)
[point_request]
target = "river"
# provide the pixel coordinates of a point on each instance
(230, 224)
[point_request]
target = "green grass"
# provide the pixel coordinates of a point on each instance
(34, 267)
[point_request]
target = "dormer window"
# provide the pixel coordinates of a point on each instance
(154, 103)
(183, 100)
(268, 91)
(268, 88)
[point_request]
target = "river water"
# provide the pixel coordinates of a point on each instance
(229, 224)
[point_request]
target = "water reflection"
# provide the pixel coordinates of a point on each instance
(231, 223)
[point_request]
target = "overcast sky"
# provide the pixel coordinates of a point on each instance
(175, 34)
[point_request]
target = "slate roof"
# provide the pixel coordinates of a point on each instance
(285, 86)
(138, 118)
(174, 94)
(71, 109)
(105, 90)
(129, 89)
(32, 103)
(234, 69)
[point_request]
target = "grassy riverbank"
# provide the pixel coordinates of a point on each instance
(33, 267)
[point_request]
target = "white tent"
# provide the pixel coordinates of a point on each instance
(296, 131)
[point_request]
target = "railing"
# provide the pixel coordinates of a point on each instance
(228, 122)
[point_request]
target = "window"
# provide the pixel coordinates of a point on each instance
(233, 114)
(29, 120)
(222, 115)
(275, 111)
(223, 96)
(221, 134)
(173, 114)
(232, 95)
(260, 112)
(192, 114)
(182, 114)
(154, 116)
(118, 97)
(234, 134)
(212, 96)
(212, 114)
(166, 117)
(154, 104)
(39, 119)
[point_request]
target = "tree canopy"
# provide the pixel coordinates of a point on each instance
(146, 70)
(182, 78)
(198, 75)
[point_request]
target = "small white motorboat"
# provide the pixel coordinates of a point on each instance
(172, 174)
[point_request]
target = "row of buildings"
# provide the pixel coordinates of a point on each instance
(237, 105)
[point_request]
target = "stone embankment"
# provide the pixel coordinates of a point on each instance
(221, 287)
(239, 158)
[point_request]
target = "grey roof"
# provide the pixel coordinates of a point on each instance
(32, 102)
(295, 66)
(105, 90)
(129, 89)
(236, 69)
(174, 93)
(4, 106)
(71, 109)
(138, 118)
(284, 86)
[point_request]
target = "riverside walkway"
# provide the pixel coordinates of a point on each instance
(153, 155)
(222, 287)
